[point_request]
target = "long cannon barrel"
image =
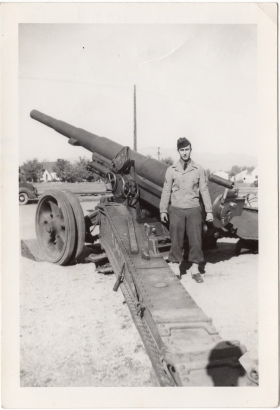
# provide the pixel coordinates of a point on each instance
(145, 167)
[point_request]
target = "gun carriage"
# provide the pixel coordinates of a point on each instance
(183, 345)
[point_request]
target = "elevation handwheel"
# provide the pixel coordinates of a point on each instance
(111, 178)
(130, 189)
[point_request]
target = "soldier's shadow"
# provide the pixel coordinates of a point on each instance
(222, 252)
(30, 249)
(224, 367)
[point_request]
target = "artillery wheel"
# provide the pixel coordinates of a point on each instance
(55, 227)
(80, 223)
(23, 198)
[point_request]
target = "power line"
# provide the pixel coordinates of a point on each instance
(219, 106)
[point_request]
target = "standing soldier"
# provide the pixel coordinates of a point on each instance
(183, 183)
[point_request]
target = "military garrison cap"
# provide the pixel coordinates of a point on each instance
(182, 143)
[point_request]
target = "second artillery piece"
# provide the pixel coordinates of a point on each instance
(183, 345)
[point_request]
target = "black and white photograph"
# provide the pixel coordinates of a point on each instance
(139, 161)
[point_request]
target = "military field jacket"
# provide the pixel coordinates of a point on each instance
(183, 187)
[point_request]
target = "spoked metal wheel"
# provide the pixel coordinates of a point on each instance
(130, 189)
(55, 227)
(79, 221)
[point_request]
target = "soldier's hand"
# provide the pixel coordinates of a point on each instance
(209, 217)
(164, 217)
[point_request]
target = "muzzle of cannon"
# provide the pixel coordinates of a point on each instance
(183, 345)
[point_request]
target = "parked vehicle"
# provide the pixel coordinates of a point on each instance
(255, 183)
(27, 190)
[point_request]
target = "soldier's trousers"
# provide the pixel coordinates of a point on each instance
(187, 221)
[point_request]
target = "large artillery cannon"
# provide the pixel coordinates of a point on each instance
(184, 347)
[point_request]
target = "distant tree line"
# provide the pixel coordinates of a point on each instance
(79, 170)
(235, 169)
(65, 170)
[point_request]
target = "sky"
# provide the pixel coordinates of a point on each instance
(193, 81)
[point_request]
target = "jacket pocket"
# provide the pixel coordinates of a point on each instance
(195, 185)
(176, 184)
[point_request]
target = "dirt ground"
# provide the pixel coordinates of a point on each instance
(75, 331)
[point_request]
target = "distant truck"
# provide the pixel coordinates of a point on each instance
(27, 190)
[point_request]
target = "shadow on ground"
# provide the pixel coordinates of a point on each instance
(30, 250)
(223, 252)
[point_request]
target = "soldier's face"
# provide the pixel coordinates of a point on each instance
(185, 153)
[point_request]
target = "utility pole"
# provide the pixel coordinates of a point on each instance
(135, 125)
(158, 153)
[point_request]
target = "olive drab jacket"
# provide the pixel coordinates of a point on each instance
(184, 186)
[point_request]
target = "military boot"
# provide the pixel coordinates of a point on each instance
(195, 273)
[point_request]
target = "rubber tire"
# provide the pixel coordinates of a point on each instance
(70, 227)
(26, 198)
(80, 223)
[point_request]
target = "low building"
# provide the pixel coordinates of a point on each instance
(255, 173)
(48, 172)
(240, 177)
(246, 177)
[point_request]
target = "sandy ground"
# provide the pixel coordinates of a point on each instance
(75, 331)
